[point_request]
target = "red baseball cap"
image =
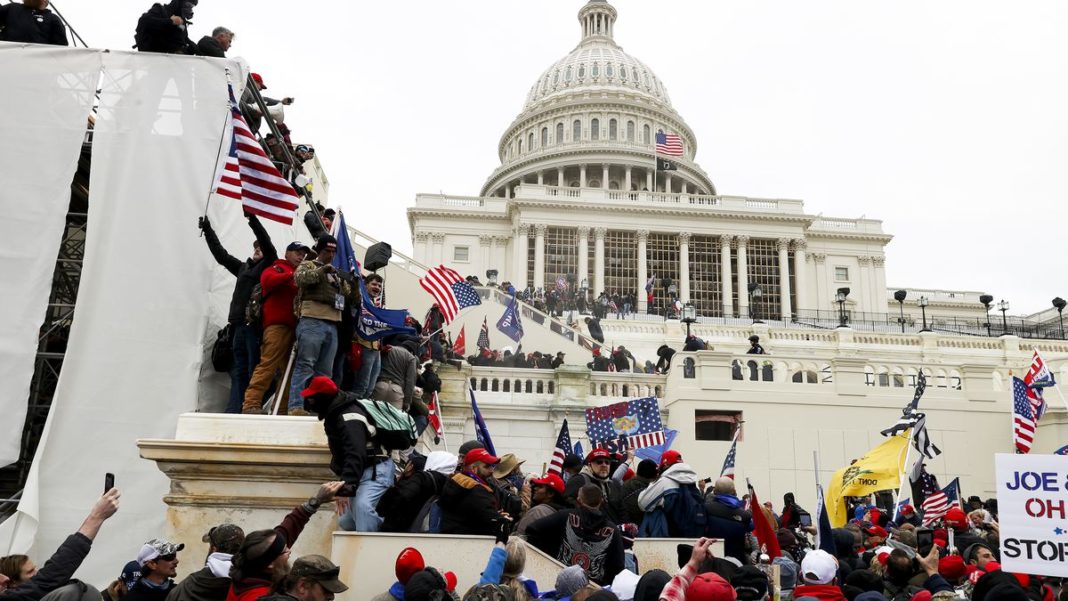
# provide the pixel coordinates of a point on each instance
(951, 567)
(552, 481)
(955, 516)
(710, 586)
(476, 455)
(259, 79)
(670, 458)
(319, 385)
(875, 531)
(598, 454)
(409, 561)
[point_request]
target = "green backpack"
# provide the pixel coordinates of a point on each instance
(389, 427)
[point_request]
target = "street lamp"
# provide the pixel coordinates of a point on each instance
(1059, 304)
(840, 298)
(491, 277)
(922, 302)
(899, 296)
(754, 297)
(689, 315)
(986, 299)
(1003, 306)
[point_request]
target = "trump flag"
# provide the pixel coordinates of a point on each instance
(636, 422)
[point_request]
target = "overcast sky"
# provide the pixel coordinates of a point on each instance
(944, 119)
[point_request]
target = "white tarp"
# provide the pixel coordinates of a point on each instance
(151, 299)
(1033, 513)
(44, 110)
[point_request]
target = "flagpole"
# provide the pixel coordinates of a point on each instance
(905, 472)
(215, 173)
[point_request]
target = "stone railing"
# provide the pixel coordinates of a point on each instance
(601, 195)
(444, 201)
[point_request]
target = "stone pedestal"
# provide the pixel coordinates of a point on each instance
(249, 470)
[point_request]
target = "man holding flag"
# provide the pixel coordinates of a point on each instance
(509, 324)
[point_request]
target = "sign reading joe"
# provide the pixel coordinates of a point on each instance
(1033, 513)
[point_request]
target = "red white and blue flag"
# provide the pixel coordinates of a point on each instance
(937, 504)
(449, 289)
(434, 417)
(483, 335)
(1023, 420)
(637, 422)
(668, 144)
(728, 462)
(249, 175)
(560, 451)
(1038, 377)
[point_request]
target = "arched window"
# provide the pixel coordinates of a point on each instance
(559, 133)
(582, 71)
(541, 387)
(494, 386)
(507, 386)
(613, 130)
(530, 141)
(520, 142)
(596, 70)
(576, 131)
(556, 77)
(645, 134)
(595, 127)
(544, 137)
(630, 131)
(608, 70)
(622, 73)
(567, 75)
(552, 387)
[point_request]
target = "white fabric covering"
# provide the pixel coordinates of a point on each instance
(44, 110)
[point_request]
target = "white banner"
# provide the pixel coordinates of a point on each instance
(1033, 513)
(47, 95)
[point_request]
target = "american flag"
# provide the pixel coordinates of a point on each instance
(483, 335)
(669, 144)
(562, 448)
(450, 291)
(637, 421)
(937, 504)
(434, 416)
(728, 461)
(1023, 420)
(1038, 377)
(251, 177)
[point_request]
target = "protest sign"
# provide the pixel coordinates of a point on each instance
(1033, 513)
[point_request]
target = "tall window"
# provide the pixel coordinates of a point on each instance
(520, 142)
(706, 262)
(595, 126)
(662, 251)
(544, 137)
(530, 141)
(630, 131)
(559, 133)
(576, 131)
(645, 134)
(613, 132)
(561, 256)
(621, 263)
(530, 258)
(763, 259)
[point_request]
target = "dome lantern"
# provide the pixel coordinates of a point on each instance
(598, 19)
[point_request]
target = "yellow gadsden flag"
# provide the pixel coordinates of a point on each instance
(879, 469)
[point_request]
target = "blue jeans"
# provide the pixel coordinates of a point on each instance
(364, 382)
(316, 345)
(361, 515)
(246, 344)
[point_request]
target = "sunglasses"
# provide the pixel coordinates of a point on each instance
(600, 462)
(168, 557)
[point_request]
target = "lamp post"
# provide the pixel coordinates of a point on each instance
(754, 297)
(899, 296)
(1059, 304)
(689, 315)
(1003, 306)
(922, 302)
(986, 299)
(840, 298)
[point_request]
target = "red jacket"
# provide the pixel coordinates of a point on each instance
(279, 290)
(830, 592)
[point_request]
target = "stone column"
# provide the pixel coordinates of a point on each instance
(583, 255)
(582, 176)
(438, 252)
(667, 182)
(604, 177)
(649, 180)
(800, 277)
(626, 183)
(784, 278)
(684, 266)
(484, 242)
(878, 284)
(643, 270)
(541, 178)
(741, 243)
(508, 190)
(598, 259)
(421, 253)
(498, 259)
(725, 279)
(539, 255)
(863, 296)
(560, 177)
(684, 188)
(823, 296)
(519, 256)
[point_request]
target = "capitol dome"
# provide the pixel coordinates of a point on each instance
(590, 120)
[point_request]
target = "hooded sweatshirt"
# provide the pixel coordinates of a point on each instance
(205, 584)
(673, 477)
(583, 536)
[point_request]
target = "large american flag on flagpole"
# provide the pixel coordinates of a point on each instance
(668, 144)
(249, 176)
(1023, 420)
(560, 451)
(449, 289)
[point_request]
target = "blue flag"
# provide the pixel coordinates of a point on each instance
(481, 431)
(373, 323)
(578, 449)
(654, 452)
(1061, 451)
(825, 539)
(509, 323)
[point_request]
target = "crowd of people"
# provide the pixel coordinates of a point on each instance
(587, 515)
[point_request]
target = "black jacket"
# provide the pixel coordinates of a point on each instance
(200, 586)
(730, 524)
(346, 434)
(143, 592)
(632, 513)
(612, 490)
(402, 502)
(56, 572)
(584, 537)
(209, 46)
(247, 272)
(467, 506)
(157, 33)
(595, 330)
(19, 23)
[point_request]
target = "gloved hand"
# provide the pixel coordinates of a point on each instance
(203, 223)
(503, 528)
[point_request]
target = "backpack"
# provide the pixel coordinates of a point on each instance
(389, 427)
(254, 308)
(685, 511)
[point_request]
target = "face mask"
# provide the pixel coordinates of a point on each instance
(187, 10)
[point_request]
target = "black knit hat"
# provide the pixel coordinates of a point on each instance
(750, 583)
(424, 584)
